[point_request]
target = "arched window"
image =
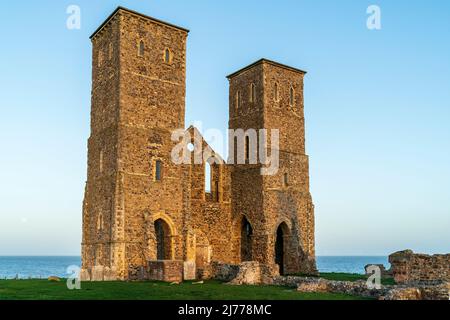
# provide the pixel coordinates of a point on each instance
(291, 96)
(275, 92)
(141, 49)
(167, 56)
(246, 240)
(158, 170)
(252, 93)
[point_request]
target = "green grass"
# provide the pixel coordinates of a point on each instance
(210, 290)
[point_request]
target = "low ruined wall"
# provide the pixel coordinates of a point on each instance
(356, 288)
(419, 292)
(248, 273)
(255, 273)
(406, 267)
(360, 288)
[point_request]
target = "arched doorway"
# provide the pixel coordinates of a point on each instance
(246, 240)
(163, 240)
(280, 247)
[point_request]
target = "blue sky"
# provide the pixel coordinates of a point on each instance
(377, 106)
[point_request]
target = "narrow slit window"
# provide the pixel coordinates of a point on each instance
(101, 161)
(247, 149)
(100, 221)
(141, 49)
(167, 56)
(252, 93)
(291, 96)
(238, 100)
(275, 92)
(158, 170)
(217, 194)
(285, 180)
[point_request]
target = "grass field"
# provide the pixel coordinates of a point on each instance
(210, 290)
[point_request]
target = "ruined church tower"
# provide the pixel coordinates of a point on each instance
(275, 212)
(132, 195)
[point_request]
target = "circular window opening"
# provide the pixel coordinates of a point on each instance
(191, 147)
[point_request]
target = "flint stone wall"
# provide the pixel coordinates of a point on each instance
(408, 266)
(224, 271)
(419, 291)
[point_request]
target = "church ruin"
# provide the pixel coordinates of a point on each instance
(146, 217)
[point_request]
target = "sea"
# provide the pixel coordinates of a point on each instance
(43, 267)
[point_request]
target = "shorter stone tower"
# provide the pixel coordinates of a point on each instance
(275, 212)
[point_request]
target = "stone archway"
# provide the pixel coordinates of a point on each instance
(282, 234)
(163, 240)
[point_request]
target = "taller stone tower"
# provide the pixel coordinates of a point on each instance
(274, 213)
(133, 208)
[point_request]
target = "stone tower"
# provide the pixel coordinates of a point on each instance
(133, 199)
(275, 213)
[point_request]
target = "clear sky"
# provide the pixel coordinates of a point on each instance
(377, 107)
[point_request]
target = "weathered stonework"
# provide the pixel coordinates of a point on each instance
(271, 206)
(359, 288)
(254, 273)
(165, 270)
(189, 270)
(407, 267)
(224, 272)
(139, 206)
(419, 292)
